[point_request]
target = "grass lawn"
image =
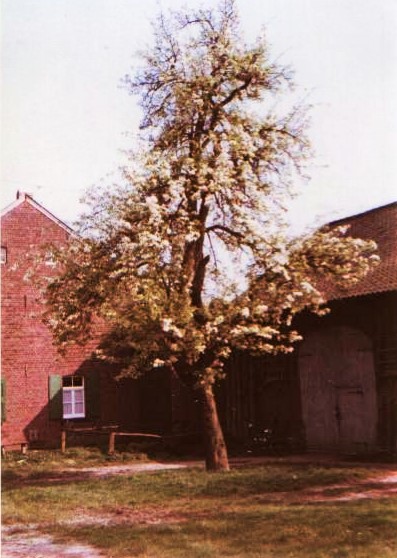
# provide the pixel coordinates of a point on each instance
(189, 513)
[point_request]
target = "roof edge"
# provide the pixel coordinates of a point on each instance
(24, 197)
(361, 214)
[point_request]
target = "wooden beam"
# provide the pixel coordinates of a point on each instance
(137, 434)
(63, 441)
(112, 437)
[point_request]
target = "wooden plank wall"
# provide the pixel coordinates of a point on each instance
(386, 364)
(256, 390)
(263, 392)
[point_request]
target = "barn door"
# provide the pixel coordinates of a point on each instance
(338, 390)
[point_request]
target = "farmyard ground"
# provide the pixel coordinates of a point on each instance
(188, 513)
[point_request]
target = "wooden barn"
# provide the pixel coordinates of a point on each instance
(338, 390)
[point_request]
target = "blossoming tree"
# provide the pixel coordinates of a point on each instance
(188, 258)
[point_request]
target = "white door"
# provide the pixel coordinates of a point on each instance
(338, 390)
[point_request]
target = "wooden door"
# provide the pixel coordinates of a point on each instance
(338, 390)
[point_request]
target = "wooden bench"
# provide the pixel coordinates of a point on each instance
(113, 432)
(21, 446)
(112, 438)
(93, 429)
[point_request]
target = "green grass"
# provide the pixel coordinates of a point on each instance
(43, 463)
(189, 513)
(360, 530)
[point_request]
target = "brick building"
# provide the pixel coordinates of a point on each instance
(40, 389)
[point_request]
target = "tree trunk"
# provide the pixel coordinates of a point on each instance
(216, 458)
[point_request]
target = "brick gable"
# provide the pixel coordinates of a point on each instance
(29, 357)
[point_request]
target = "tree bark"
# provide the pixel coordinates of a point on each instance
(216, 458)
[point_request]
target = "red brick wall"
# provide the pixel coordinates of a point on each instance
(28, 354)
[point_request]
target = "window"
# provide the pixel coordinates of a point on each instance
(74, 396)
(73, 403)
(49, 259)
(3, 256)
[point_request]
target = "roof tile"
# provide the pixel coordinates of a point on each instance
(380, 225)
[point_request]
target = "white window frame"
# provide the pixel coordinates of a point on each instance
(76, 393)
(49, 259)
(3, 256)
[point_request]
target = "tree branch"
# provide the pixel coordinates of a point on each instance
(223, 228)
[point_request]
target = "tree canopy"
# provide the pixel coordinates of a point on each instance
(189, 257)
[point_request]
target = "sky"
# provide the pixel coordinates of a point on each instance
(67, 122)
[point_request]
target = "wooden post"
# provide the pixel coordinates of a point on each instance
(63, 441)
(112, 437)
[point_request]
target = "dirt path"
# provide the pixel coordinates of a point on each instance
(31, 543)
(27, 541)
(110, 470)
(383, 485)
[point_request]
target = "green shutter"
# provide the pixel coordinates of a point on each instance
(55, 397)
(3, 400)
(92, 396)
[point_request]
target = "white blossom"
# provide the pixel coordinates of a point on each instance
(166, 324)
(158, 362)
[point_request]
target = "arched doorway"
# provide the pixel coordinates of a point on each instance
(338, 390)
